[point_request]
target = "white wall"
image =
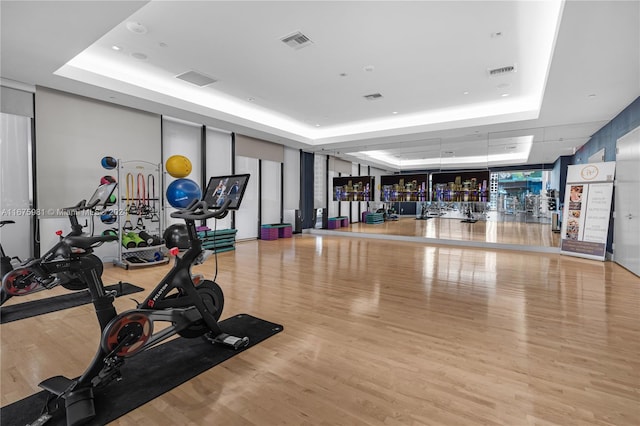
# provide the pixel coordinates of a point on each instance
(73, 134)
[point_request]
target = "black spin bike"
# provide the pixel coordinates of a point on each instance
(191, 310)
(56, 267)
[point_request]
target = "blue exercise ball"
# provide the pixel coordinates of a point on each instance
(181, 192)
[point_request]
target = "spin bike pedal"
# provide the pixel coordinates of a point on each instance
(57, 385)
(229, 340)
(41, 420)
(78, 402)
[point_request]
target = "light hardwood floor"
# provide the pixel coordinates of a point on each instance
(385, 333)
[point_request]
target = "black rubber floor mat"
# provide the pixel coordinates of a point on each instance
(176, 362)
(58, 303)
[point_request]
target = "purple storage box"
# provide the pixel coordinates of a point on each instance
(268, 233)
(285, 232)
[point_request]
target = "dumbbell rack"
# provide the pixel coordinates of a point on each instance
(140, 208)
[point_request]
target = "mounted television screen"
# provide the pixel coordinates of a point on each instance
(221, 188)
(460, 186)
(404, 187)
(353, 188)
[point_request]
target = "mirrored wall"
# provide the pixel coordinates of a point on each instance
(500, 187)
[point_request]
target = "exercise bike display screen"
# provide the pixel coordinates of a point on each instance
(102, 194)
(223, 188)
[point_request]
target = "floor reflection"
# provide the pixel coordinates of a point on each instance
(510, 232)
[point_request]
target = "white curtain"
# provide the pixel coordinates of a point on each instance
(15, 184)
(247, 215)
(181, 138)
(271, 192)
(218, 162)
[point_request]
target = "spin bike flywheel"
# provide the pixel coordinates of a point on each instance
(20, 281)
(71, 281)
(127, 333)
(213, 299)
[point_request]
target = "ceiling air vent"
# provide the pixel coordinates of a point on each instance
(196, 78)
(297, 40)
(373, 96)
(502, 70)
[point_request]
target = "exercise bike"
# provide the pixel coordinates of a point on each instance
(190, 310)
(56, 266)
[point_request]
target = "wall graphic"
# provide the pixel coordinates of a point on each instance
(404, 188)
(353, 188)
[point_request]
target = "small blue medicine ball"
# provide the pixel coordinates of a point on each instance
(109, 163)
(108, 217)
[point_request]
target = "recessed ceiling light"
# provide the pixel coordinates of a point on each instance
(394, 112)
(504, 95)
(116, 47)
(317, 125)
(465, 93)
(136, 27)
(139, 55)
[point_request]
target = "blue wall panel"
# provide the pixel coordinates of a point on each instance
(606, 138)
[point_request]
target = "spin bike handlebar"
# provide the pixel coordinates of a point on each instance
(75, 239)
(82, 205)
(200, 210)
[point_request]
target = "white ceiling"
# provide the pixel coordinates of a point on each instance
(421, 56)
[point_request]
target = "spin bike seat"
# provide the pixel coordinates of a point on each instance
(84, 242)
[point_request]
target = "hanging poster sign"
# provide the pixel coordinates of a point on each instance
(587, 209)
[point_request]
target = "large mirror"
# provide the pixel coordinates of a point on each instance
(496, 187)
